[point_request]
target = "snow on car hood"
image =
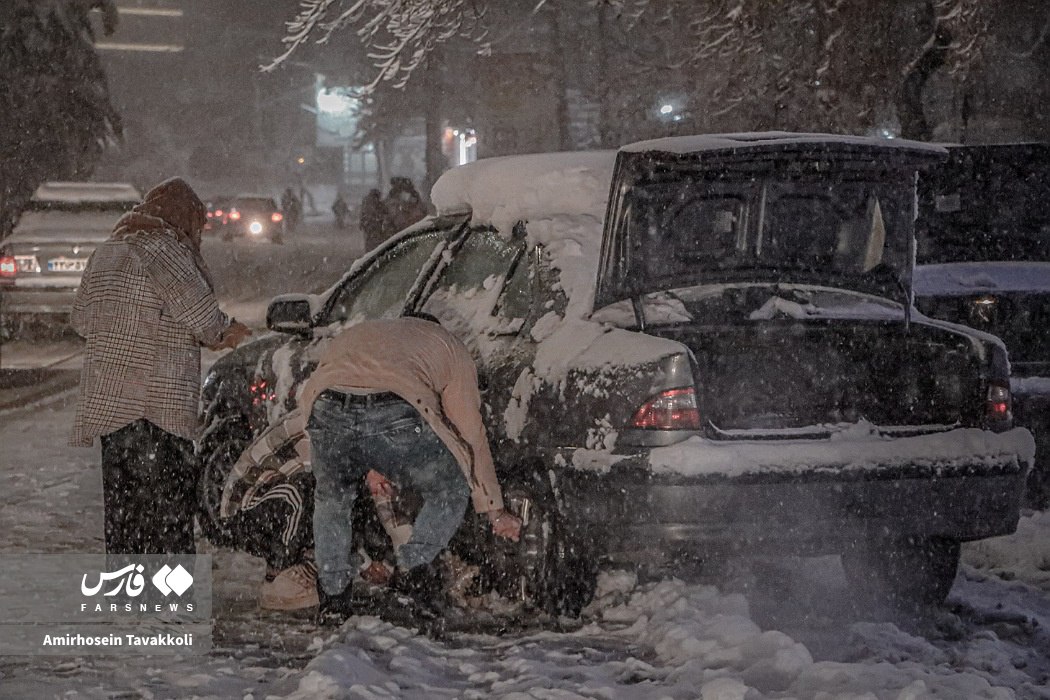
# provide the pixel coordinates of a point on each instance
(859, 448)
(957, 279)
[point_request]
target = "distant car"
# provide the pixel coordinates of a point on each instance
(727, 366)
(984, 261)
(218, 209)
(255, 217)
(43, 260)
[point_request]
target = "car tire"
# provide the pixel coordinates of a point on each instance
(902, 572)
(217, 454)
(550, 568)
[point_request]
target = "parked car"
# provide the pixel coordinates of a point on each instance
(43, 259)
(984, 254)
(727, 366)
(255, 217)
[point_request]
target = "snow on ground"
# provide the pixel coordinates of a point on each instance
(767, 629)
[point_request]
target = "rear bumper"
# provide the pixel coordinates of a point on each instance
(637, 514)
(36, 300)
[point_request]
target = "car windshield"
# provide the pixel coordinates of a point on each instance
(687, 231)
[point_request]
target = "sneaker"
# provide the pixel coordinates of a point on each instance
(423, 584)
(334, 610)
(293, 588)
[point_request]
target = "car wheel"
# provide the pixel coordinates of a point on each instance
(217, 454)
(906, 572)
(549, 568)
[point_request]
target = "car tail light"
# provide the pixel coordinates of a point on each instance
(276, 217)
(8, 266)
(997, 403)
(218, 213)
(235, 215)
(674, 409)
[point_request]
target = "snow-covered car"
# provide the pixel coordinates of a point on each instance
(728, 365)
(43, 260)
(984, 254)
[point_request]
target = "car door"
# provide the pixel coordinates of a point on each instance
(486, 295)
(381, 288)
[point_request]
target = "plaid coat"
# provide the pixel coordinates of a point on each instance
(145, 306)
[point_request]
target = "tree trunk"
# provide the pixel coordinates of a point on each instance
(557, 62)
(909, 101)
(435, 157)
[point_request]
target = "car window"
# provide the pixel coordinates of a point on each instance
(516, 299)
(381, 290)
(466, 293)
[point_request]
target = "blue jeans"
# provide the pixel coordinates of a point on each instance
(347, 439)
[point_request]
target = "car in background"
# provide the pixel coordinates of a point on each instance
(984, 261)
(218, 208)
(255, 217)
(43, 260)
(727, 365)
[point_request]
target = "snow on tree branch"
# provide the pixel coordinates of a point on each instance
(399, 33)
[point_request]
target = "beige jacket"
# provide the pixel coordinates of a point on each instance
(431, 369)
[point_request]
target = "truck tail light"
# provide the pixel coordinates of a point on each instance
(997, 403)
(674, 409)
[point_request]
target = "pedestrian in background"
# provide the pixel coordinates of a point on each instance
(340, 210)
(375, 223)
(404, 205)
(145, 305)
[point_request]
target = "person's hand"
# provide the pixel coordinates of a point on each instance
(505, 524)
(233, 336)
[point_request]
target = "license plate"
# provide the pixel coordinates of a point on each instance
(66, 265)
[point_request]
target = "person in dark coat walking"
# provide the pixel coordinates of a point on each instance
(404, 206)
(375, 223)
(340, 210)
(145, 305)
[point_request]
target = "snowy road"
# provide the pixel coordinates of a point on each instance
(736, 636)
(799, 638)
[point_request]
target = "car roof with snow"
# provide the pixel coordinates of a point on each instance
(86, 192)
(778, 141)
(964, 278)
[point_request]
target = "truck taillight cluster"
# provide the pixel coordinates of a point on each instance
(675, 409)
(997, 404)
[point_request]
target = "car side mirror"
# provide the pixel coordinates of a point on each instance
(290, 313)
